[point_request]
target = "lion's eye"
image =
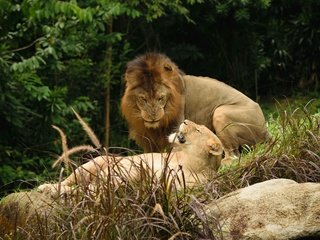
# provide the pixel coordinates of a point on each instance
(167, 67)
(161, 99)
(142, 99)
(198, 130)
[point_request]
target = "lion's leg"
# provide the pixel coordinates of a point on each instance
(238, 125)
(222, 125)
(84, 174)
(87, 172)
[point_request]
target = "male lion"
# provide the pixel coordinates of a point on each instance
(195, 148)
(158, 96)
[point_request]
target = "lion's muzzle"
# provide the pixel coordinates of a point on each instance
(181, 138)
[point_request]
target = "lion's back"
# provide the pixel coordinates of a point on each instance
(203, 95)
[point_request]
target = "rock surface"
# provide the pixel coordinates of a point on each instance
(25, 212)
(274, 209)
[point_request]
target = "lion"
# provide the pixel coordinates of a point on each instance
(196, 149)
(158, 95)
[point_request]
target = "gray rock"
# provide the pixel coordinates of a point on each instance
(274, 209)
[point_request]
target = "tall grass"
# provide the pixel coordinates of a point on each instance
(293, 152)
(163, 208)
(148, 207)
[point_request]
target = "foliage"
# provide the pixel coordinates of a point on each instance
(256, 46)
(50, 51)
(55, 55)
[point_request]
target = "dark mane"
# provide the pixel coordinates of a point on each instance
(148, 71)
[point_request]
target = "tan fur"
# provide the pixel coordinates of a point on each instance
(196, 149)
(235, 118)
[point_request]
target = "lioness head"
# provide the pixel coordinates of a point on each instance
(153, 91)
(196, 140)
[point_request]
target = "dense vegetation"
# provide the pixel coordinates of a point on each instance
(60, 54)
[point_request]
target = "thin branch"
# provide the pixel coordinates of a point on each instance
(22, 48)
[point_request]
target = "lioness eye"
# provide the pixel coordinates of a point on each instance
(198, 130)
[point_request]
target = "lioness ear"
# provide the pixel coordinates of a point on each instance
(215, 148)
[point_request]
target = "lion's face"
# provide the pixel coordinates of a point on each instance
(153, 95)
(152, 104)
(196, 139)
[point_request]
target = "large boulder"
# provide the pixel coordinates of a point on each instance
(25, 212)
(274, 209)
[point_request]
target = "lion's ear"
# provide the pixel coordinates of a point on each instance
(215, 148)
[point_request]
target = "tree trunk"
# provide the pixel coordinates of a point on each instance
(108, 74)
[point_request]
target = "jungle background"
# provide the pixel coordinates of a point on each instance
(55, 55)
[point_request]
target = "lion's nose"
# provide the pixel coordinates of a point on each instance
(181, 138)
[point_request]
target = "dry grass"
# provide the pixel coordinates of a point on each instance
(149, 208)
(153, 208)
(293, 152)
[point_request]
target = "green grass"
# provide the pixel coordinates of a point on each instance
(293, 152)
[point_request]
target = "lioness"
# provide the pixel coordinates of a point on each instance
(159, 95)
(195, 148)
